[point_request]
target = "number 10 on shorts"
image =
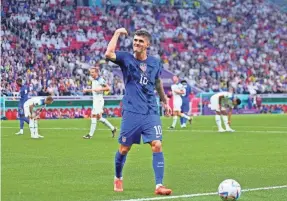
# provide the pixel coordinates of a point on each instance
(158, 131)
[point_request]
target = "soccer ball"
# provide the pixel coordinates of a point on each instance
(229, 189)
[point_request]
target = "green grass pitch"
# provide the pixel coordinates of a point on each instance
(65, 167)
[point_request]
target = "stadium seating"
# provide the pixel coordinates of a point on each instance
(214, 47)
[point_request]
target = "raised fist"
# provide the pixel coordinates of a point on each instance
(122, 31)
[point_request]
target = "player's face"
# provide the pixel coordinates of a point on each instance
(94, 73)
(175, 79)
(140, 44)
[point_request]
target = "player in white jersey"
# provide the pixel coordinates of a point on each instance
(98, 87)
(177, 91)
(220, 102)
(29, 112)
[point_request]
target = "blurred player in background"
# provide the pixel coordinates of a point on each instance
(178, 90)
(30, 113)
(220, 102)
(141, 74)
(24, 91)
(98, 87)
(185, 102)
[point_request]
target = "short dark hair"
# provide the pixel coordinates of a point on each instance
(97, 69)
(238, 101)
(143, 32)
(50, 98)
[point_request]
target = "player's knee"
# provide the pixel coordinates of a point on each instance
(156, 146)
(124, 149)
(98, 116)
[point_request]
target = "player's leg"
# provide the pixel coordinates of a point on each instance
(152, 134)
(174, 119)
(22, 119)
(185, 116)
(218, 121)
(32, 127)
(28, 114)
(120, 159)
(93, 126)
(214, 105)
(225, 121)
(130, 134)
(107, 123)
(176, 111)
(183, 120)
(36, 129)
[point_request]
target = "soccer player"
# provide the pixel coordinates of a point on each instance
(185, 102)
(141, 73)
(98, 87)
(24, 90)
(29, 112)
(177, 91)
(220, 102)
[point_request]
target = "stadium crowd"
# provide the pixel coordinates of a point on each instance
(227, 43)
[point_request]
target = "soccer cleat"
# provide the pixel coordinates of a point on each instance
(171, 127)
(162, 190)
(118, 185)
(40, 136)
(114, 132)
(183, 126)
(87, 136)
(221, 130)
(230, 130)
(19, 133)
(190, 120)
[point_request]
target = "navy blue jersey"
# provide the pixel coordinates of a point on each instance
(140, 79)
(24, 90)
(185, 96)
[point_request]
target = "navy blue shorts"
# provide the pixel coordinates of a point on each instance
(185, 107)
(134, 126)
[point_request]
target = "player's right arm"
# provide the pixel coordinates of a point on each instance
(220, 98)
(229, 116)
(31, 110)
(175, 89)
(111, 49)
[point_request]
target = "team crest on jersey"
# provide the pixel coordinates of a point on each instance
(143, 66)
(124, 139)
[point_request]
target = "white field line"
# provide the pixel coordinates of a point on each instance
(202, 194)
(167, 130)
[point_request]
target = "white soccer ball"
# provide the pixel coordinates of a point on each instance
(229, 189)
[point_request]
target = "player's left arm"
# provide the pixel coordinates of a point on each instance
(179, 91)
(104, 87)
(160, 91)
(162, 95)
(229, 116)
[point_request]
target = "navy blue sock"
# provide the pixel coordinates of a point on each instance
(181, 120)
(22, 120)
(119, 164)
(21, 123)
(184, 120)
(158, 167)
